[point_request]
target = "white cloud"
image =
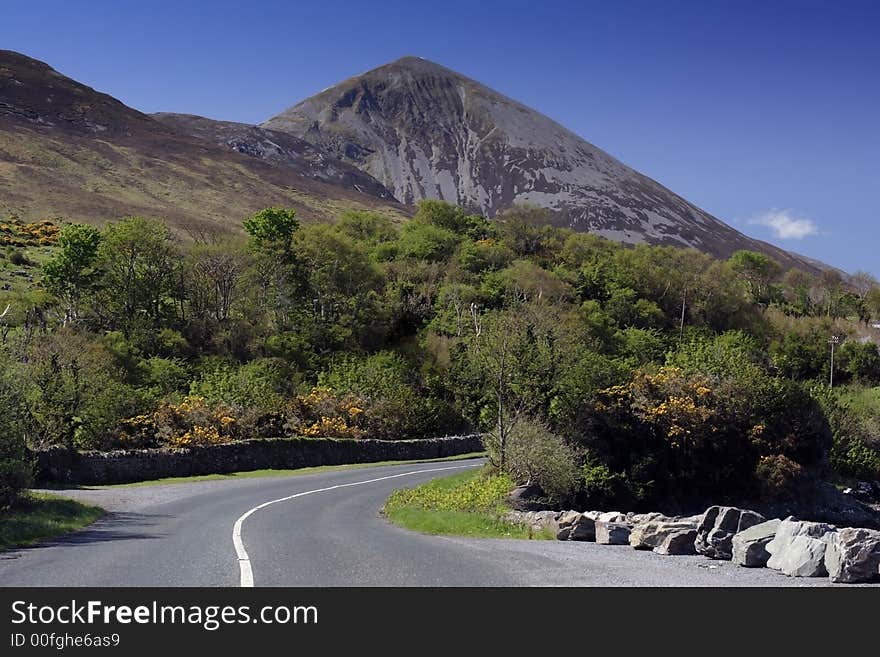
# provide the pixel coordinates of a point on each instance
(785, 225)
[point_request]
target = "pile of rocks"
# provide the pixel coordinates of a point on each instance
(794, 547)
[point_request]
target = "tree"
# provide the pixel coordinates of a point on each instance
(516, 354)
(215, 277)
(863, 283)
(526, 229)
(72, 273)
(872, 303)
(271, 234)
(827, 291)
(367, 227)
(757, 271)
(273, 227)
(451, 217)
(341, 285)
(796, 288)
(426, 241)
(139, 264)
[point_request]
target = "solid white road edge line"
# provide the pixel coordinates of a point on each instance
(244, 561)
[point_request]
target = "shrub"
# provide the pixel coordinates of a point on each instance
(675, 434)
(852, 419)
(395, 402)
(535, 455)
(15, 466)
(324, 413)
(260, 385)
(164, 376)
(861, 361)
(602, 488)
(19, 259)
(779, 476)
(194, 421)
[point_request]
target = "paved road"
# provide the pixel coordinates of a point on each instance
(182, 535)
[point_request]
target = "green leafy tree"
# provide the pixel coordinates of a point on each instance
(757, 271)
(516, 353)
(71, 275)
(15, 464)
(278, 272)
(140, 265)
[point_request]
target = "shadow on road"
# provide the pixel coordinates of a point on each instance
(111, 527)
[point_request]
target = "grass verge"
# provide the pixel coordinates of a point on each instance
(39, 516)
(466, 504)
(276, 473)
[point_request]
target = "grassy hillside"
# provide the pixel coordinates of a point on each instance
(50, 174)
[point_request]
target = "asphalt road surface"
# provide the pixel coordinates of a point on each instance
(324, 529)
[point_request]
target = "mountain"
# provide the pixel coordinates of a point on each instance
(67, 150)
(425, 131)
(280, 148)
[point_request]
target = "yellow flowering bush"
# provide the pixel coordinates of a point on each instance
(138, 432)
(192, 421)
(322, 413)
(673, 404)
(15, 232)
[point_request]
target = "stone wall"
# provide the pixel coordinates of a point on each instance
(61, 466)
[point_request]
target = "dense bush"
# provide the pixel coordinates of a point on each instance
(15, 465)
(192, 421)
(854, 418)
(672, 434)
(325, 413)
(535, 455)
(396, 404)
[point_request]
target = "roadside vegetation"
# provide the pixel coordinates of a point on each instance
(35, 517)
(603, 374)
(466, 504)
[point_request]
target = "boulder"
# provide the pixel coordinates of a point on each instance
(636, 518)
(798, 549)
(750, 545)
(583, 529)
(536, 520)
(568, 518)
(650, 534)
(612, 533)
(717, 527)
(612, 516)
(853, 555)
(525, 498)
(678, 542)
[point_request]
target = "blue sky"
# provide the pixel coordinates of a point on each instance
(766, 114)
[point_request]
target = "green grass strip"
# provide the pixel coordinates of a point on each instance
(466, 504)
(38, 517)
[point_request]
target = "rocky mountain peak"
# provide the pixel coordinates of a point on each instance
(425, 131)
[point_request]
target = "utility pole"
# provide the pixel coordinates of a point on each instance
(683, 306)
(834, 341)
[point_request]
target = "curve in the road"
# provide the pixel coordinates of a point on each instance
(178, 535)
(246, 576)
